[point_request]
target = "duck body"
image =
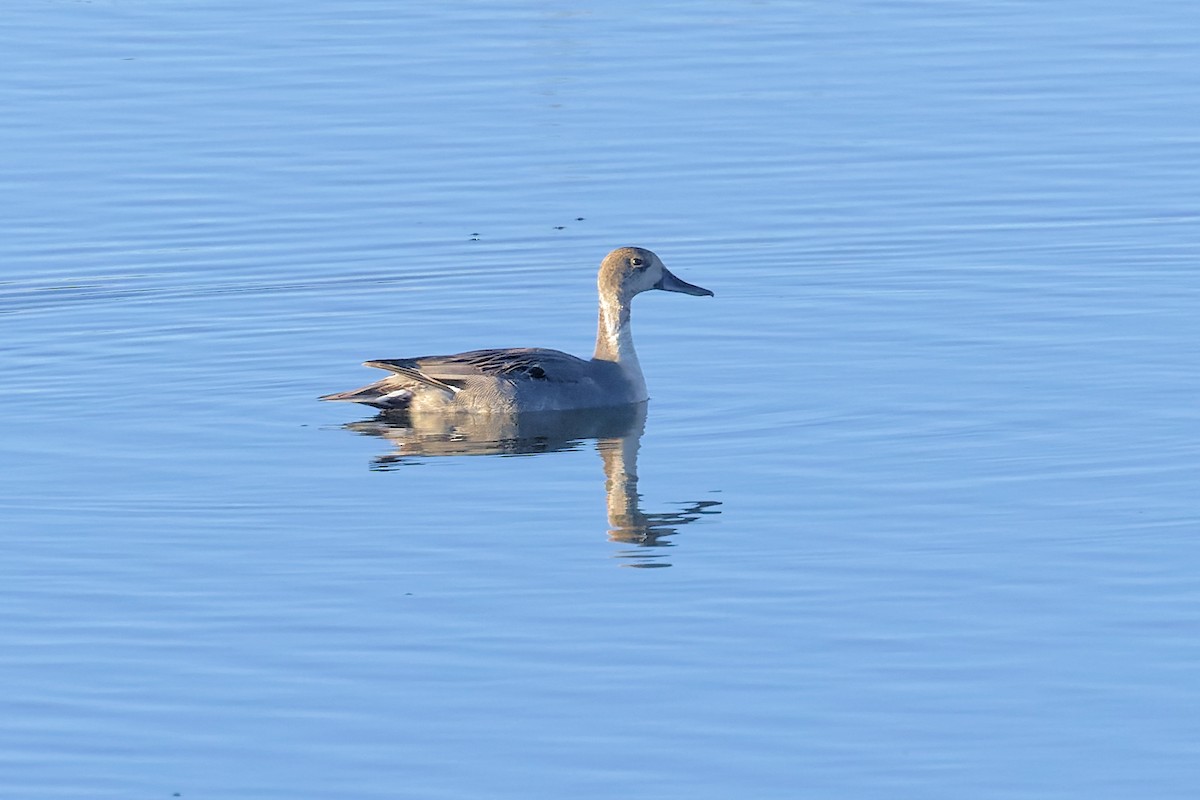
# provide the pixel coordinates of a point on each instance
(520, 379)
(501, 381)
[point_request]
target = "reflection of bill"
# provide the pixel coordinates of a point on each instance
(616, 431)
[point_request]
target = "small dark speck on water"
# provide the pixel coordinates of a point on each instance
(579, 219)
(559, 227)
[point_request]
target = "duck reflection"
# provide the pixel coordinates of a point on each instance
(617, 433)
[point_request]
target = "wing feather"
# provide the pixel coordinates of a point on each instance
(451, 373)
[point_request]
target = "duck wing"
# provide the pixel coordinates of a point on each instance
(453, 373)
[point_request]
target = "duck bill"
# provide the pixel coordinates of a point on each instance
(669, 283)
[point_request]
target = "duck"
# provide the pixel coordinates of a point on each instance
(511, 380)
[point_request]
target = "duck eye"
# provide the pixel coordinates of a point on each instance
(636, 262)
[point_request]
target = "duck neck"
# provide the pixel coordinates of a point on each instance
(614, 340)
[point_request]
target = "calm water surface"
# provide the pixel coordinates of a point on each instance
(915, 511)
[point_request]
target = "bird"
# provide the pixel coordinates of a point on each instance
(508, 380)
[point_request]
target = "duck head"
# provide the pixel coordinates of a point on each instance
(628, 271)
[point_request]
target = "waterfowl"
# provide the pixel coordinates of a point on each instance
(535, 378)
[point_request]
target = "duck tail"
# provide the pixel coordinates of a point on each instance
(375, 395)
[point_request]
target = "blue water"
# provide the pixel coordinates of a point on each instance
(916, 509)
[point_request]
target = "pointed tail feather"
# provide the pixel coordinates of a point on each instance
(373, 395)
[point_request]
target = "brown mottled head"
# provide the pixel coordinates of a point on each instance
(628, 271)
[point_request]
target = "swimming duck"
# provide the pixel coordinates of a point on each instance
(535, 378)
